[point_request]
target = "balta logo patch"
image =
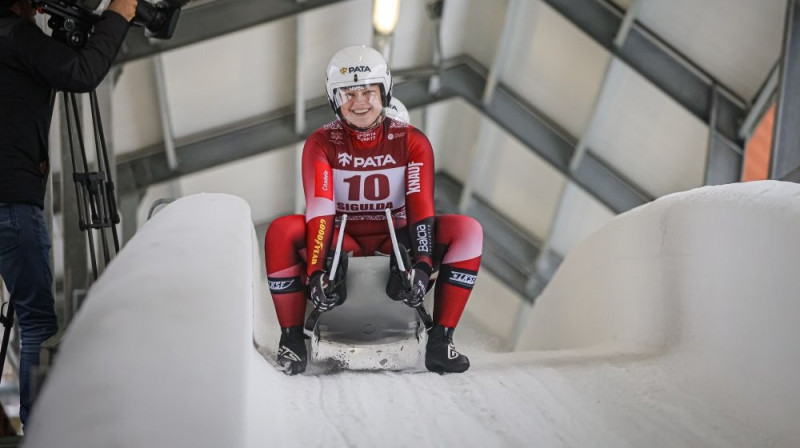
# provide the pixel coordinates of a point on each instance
(422, 239)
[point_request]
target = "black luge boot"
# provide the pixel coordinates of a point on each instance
(292, 354)
(440, 354)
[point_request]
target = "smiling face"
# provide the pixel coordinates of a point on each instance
(361, 106)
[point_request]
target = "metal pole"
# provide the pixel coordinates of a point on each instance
(481, 152)
(167, 132)
(582, 146)
(501, 55)
(761, 104)
(712, 130)
(299, 112)
(619, 41)
(435, 10)
(164, 113)
(785, 158)
(383, 44)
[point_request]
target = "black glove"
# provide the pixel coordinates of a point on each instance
(318, 293)
(419, 286)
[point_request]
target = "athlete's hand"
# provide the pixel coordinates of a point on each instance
(125, 8)
(415, 296)
(317, 286)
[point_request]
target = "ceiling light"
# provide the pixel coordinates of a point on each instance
(384, 16)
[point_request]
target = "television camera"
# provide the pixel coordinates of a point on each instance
(72, 20)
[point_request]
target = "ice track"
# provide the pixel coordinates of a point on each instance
(675, 325)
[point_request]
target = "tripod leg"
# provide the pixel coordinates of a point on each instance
(102, 155)
(102, 207)
(8, 323)
(85, 203)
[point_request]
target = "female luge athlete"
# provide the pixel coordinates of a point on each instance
(362, 164)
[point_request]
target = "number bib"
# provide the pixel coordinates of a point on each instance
(369, 191)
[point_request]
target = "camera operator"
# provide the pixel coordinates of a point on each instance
(32, 66)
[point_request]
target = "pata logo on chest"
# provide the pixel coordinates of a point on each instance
(378, 161)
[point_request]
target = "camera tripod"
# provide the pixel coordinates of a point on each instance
(96, 202)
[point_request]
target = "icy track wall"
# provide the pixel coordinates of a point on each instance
(160, 353)
(674, 325)
(704, 284)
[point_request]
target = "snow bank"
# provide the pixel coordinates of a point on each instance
(160, 353)
(704, 282)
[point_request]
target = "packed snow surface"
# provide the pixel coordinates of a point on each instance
(674, 325)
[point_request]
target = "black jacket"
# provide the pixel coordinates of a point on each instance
(32, 66)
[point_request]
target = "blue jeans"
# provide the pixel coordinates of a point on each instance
(25, 268)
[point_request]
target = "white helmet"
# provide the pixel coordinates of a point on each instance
(357, 66)
(397, 110)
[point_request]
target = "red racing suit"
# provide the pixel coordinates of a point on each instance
(362, 174)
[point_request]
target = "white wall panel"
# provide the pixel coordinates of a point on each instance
(494, 305)
(135, 116)
(736, 41)
(648, 137)
(554, 66)
(473, 27)
(231, 78)
(519, 184)
(452, 127)
(414, 36)
(266, 182)
(328, 30)
(352, 23)
(580, 216)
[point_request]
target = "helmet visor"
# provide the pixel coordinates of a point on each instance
(359, 94)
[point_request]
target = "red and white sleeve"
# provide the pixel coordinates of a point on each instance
(419, 196)
(320, 208)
